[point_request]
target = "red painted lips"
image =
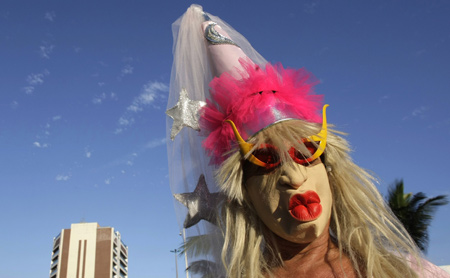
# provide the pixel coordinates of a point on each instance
(305, 207)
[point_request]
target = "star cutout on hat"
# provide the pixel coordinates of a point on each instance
(184, 113)
(201, 204)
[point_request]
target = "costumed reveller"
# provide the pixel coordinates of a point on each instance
(264, 186)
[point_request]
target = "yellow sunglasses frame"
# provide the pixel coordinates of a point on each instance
(320, 137)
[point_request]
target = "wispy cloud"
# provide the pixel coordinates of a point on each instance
(50, 16)
(128, 161)
(40, 145)
(443, 125)
(98, 99)
(127, 70)
(14, 104)
(45, 50)
(124, 121)
(418, 112)
(384, 98)
(311, 7)
(28, 90)
(130, 158)
(108, 180)
(44, 134)
(62, 177)
(87, 152)
(155, 143)
(151, 91)
(127, 59)
(34, 80)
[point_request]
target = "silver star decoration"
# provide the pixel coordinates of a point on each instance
(184, 113)
(201, 204)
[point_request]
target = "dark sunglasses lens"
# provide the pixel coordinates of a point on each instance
(311, 147)
(267, 155)
(301, 157)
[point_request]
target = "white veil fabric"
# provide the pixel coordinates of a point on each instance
(188, 162)
(191, 174)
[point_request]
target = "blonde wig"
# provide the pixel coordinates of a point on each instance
(362, 226)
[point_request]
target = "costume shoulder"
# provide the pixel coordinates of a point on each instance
(429, 270)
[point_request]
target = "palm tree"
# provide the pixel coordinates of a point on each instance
(414, 211)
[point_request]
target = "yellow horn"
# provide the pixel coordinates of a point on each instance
(321, 136)
(244, 146)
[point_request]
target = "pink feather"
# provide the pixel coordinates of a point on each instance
(248, 102)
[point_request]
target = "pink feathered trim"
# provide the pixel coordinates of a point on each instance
(250, 100)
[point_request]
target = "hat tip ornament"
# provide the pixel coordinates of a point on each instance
(214, 37)
(206, 17)
(205, 48)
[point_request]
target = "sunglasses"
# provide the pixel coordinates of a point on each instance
(266, 155)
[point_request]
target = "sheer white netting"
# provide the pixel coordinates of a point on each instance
(191, 70)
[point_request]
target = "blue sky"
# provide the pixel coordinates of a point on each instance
(84, 88)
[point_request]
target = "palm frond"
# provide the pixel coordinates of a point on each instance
(197, 245)
(415, 212)
(205, 268)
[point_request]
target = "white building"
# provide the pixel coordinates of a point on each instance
(87, 250)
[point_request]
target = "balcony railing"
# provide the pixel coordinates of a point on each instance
(58, 235)
(54, 263)
(55, 253)
(123, 244)
(54, 271)
(124, 249)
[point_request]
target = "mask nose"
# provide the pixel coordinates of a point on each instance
(293, 175)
